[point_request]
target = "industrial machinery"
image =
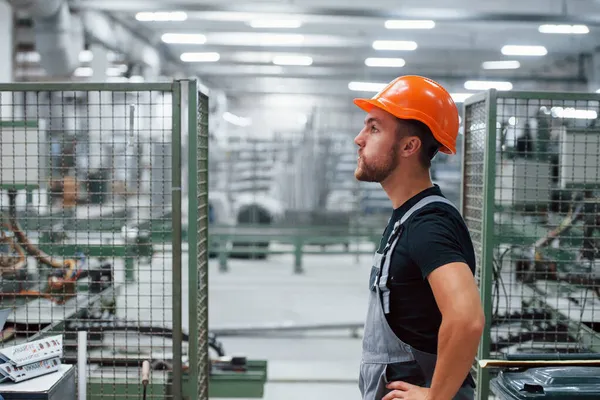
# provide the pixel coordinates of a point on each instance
(531, 199)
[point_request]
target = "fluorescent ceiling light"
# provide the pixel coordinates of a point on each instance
(184, 38)
(485, 85)
(565, 29)
(514, 50)
(200, 57)
(409, 24)
(276, 23)
(385, 62)
(394, 45)
(116, 70)
(235, 120)
(86, 56)
(460, 97)
(161, 16)
(501, 65)
(83, 72)
(112, 72)
(572, 113)
(366, 86)
(280, 39)
(29, 57)
(292, 60)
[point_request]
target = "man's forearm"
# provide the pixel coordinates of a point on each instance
(457, 349)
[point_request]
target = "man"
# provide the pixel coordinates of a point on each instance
(425, 319)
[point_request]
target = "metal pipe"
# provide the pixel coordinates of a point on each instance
(179, 93)
(82, 364)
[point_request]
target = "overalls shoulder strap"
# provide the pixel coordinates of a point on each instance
(422, 203)
(391, 245)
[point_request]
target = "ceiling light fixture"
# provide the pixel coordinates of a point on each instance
(86, 56)
(515, 50)
(280, 39)
(564, 29)
(28, 57)
(573, 113)
(366, 86)
(83, 72)
(200, 57)
(460, 97)
(292, 60)
(235, 120)
(385, 62)
(501, 65)
(275, 23)
(183, 38)
(409, 24)
(401, 45)
(161, 16)
(485, 85)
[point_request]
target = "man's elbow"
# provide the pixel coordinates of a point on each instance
(470, 324)
(477, 324)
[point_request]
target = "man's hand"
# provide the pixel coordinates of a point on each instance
(406, 391)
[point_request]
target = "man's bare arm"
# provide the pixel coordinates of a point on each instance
(457, 296)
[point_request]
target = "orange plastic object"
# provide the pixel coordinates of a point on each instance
(422, 99)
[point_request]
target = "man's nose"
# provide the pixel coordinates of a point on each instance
(359, 140)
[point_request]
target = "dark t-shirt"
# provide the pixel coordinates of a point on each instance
(433, 236)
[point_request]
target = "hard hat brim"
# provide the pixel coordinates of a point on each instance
(368, 104)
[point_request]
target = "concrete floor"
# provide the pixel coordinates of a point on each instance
(315, 366)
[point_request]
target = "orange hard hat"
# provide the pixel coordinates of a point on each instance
(422, 99)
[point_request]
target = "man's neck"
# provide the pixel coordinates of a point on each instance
(401, 187)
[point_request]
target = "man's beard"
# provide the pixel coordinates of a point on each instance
(378, 170)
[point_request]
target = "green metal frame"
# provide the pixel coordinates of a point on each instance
(85, 87)
(194, 382)
(483, 378)
(298, 237)
(197, 233)
(19, 124)
(485, 283)
(493, 235)
(249, 384)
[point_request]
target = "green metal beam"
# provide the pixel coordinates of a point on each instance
(541, 95)
(19, 124)
(84, 87)
(192, 237)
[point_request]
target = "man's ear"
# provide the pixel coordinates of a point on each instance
(410, 145)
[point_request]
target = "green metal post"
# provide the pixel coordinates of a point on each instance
(489, 187)
(298, 255)
(176, 240)
(129, 266)
(199, 371)
(193, 239)
(223, 255)
(203, 381)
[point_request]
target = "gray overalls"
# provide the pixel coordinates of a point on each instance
(385, 357)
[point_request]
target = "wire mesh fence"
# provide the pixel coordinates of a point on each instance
(92, 230)
(530, 196)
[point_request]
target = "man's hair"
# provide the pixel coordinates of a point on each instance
(429, 145)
